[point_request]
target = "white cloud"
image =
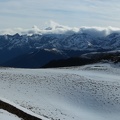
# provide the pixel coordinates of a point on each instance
(55, 28)
(99, 31)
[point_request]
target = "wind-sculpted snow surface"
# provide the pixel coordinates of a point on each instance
(91, 92)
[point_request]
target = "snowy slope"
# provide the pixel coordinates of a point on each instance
(90, 92)
(4, 115)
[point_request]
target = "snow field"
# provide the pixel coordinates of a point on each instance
(4, 115)
(91, 92)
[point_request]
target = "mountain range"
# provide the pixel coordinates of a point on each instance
(36, 50)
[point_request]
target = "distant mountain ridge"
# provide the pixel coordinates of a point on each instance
(17, 48)
(75, 41)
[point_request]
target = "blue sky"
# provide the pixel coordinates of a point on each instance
(74, 13)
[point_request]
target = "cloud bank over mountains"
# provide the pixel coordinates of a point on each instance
(55, 28)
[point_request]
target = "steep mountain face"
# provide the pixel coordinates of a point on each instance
(112, 40)
(17, 48)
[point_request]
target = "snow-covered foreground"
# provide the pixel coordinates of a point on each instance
(4, 115)
(91, 92)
